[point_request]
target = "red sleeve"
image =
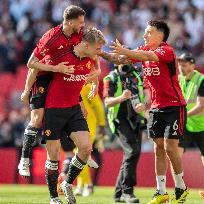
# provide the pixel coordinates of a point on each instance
(43, 47)
(164, 53)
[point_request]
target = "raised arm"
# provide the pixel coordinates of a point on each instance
(114, 58)
(139, 55)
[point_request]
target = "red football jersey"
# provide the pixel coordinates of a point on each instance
(162, 78)
(54, 43)
(64, 90)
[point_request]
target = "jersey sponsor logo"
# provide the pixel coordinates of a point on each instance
(48, 133)
(148, 71)
(80, 77)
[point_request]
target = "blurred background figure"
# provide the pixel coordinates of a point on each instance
(192, 85)
(124, 99)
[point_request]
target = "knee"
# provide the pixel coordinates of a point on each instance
(159, 150)
(170, 150)
(36, 120)
(85, 149)
(53, 153)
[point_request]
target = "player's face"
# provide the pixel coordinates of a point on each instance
(94, 48)
(78, 24)
(185, 67)
(152, 36)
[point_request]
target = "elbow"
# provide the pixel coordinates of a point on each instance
(29, 65)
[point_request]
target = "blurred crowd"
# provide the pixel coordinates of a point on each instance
(23, 22)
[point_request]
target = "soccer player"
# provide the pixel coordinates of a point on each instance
(63, 113)
(94, 113)
(55, 42)
(192, 86)
(167, 115)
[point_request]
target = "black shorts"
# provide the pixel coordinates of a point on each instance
(193, 137)
(168, 122)
(60, 121)
(67, 143)
(39, 91)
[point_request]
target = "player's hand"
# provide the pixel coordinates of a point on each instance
(25, 97)
(139, 107)
(64, 68)
(126, 95)
(117, 48)
(83, 109)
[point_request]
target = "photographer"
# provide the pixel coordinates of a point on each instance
(124, 97)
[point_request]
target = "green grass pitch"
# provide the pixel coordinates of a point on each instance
(27, 194)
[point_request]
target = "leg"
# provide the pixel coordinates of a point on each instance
(175, 125)
(29, 138)
(118, 185)
(51, 167)
(83, 143)
(97, 156)
(181, 152)
(130, 142)
(160, 165)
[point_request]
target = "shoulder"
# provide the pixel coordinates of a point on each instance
(53, 31)
(164, 47)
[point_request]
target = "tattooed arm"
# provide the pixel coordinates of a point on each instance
(115, 59)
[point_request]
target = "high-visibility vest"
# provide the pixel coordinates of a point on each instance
(195, 123)
(113, 111)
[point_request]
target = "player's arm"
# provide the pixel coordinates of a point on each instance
(30, 79)
(83, 109)
(139, 55)
(114, 58)
(34, 63)
(147, 98)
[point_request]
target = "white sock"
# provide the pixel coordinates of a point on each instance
(161, 184)
(179, 182)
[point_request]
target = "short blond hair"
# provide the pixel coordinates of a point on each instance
(93, 35)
